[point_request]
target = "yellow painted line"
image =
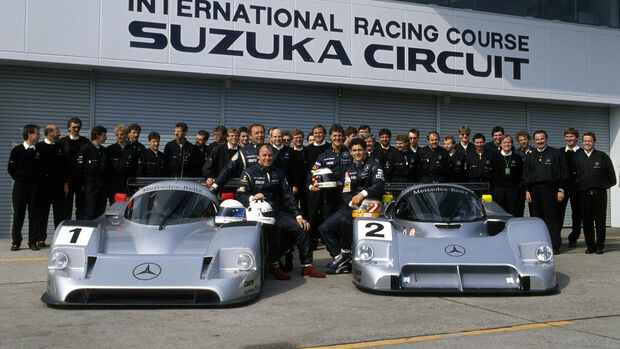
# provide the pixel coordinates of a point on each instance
(23, 259)
(446, 335)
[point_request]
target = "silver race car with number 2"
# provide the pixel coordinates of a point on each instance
(444, 238)
(161, 247)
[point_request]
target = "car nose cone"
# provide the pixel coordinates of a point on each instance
(455, 250)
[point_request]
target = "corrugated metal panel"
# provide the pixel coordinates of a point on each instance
(284, 106)
(554, 119)
(38, 96)
(481, 116)
(397, 112)
(157, 103)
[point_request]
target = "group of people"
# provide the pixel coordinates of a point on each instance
(59, 172)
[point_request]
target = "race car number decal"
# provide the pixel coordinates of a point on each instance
(374, 230)
(75, 236)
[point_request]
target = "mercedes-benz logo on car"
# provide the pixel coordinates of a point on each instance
(455, 250)
(146, 271)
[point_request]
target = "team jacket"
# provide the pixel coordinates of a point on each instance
(71, 148)
(547, 167)
(220, 157)
(594, 172)
(457, 165)
(337, 162)
(25, 164)
(434, 164)
(365, 176)
(138, 150)
(470, 148)
(479, 167)
(182, 161)
(93, 163)
(507, 170)
(401, 166)
(245, 157)
(271, 182)
(53, 162)
(152, 164)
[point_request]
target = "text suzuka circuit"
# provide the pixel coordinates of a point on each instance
(204, 27)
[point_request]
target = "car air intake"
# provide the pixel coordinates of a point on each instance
(142, 297)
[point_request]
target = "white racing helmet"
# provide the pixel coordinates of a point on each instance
(261, 211)
(230, 211)
(324, 178)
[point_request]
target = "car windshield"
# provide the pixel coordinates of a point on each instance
(440, 204)
(169, 207)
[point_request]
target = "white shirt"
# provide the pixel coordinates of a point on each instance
(590, 153)
(230, 147)
(47, 141)
(74, 139)
(574, 149)
(318, 144)
(504, 154)
(541, 150)
(26, 146)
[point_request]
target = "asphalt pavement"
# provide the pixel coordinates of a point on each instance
(328, 312)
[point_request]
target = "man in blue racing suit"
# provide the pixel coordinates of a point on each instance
(363, 178)
(264, 181)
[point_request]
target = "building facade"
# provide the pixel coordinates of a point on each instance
(394, 64)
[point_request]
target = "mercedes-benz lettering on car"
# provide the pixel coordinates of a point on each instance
(444, 238)
(162, 246)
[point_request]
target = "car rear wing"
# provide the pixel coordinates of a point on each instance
(480, 188)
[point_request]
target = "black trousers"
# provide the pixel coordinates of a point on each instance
(337, 231)
(572, 194)
(594, 211)
(508, 199)
(80, 201)
(545, 206)
(25, 196)
(520, 204)
(51, 194)
(287, 225)
(96, 200)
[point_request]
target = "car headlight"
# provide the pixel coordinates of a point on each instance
(544, 253)
(245, 261)
(58, 260)
(364, 252)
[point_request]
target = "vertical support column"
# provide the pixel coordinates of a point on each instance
(438, 114)
(223, 87)
(528, 119)
(93, 95)
(614, 153)
(337, 105)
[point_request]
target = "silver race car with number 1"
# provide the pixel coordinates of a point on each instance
(160, 247)
(443, 238)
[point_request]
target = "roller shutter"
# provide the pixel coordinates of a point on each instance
(397, 112)
(157, 103)
(554, 119)
(37, 96)
(482, 116)
(285, 106)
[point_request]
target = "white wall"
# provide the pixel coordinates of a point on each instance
(614, 132)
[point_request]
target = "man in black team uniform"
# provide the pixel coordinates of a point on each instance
(414, 137)
(134, 145)
(524, 148)
(434, 160)
(182, 158)
(122, 162)
(595, 174)
(373, 149)
(457, 163)
(571, 192)
(201, 145)
(25, 169)
(54, 180)
(545, 175)
(464, 146)
(244, 158)
(385, 137)
(493, 147)
(312, 151)
(264, 181)
(401, 165)
(506, 178)
(479, 161)
(71, 146)
(363, 178)
(153, 161)
(219, 138)
(93, 164)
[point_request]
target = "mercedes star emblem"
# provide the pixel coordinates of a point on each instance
(146, 271)
(455, 250)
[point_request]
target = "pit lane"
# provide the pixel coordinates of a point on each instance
(328, 312)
